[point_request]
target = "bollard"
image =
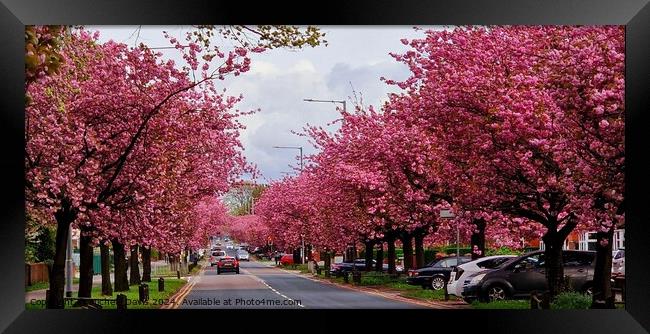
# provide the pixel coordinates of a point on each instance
(346, 278)
(327, 273)
(143, 292)
(178, 274)
(534, 301)
(356, 277)
(446, 292)
(318, 271)
(161, 284)
(121, 301)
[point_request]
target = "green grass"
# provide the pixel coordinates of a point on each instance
(45, 285)
(172, 286)
(424, 294)
(502, 304)
(302, 267)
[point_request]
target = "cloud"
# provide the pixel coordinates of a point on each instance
(279, 92)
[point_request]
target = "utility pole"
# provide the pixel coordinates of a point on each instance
(69, 265)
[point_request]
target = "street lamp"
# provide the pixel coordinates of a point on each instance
(69, 264)
(293, 147)
(448, 214)
(327, 101)
(302, 249)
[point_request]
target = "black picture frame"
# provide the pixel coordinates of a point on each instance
(15, 14)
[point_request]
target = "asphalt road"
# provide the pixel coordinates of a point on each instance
(261, 286)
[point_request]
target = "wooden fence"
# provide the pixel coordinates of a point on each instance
(35, 273)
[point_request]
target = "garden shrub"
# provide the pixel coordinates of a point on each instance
(571, 301)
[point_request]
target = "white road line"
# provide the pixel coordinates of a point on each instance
(272, 289)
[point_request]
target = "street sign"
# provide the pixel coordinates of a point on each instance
(446, 214)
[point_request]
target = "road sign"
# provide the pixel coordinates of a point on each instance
(446, 214)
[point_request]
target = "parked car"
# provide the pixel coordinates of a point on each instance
(436, 274)
(341, 268)
(518, 277)
(227, 263)
(618, 261)
(216, 256)
(286, 259)
(461, 272)
(242, 255)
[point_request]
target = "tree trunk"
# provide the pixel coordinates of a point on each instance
(419, 250)
(64, 217)
(554, 264)
(379, 266)
(407, 247)
(146, 264)
(368, 254)
(602, 287)
(326, 258)
(391, 255)
(119, 261)
(107, 287)
(134, 270)
(86, 264)
(478, 239)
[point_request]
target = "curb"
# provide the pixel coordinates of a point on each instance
(177, 299)
(372, 291)
(389, 296)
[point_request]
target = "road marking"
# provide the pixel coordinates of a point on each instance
(270, 287)
(389, 297)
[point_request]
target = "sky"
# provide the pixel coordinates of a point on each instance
(278, 81)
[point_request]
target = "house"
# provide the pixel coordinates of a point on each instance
(587, 240)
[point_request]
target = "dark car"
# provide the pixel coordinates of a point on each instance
(436, 273)
(227, 263)
(520, 276)
(340, 269)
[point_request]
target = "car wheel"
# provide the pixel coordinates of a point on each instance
(496, 292)
(437, 283)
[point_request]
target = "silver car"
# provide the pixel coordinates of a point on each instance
(242, 255)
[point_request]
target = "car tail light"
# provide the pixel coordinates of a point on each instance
(459, 272)
(413, 273)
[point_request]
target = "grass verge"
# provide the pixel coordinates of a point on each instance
(156, 298)
(45, 285)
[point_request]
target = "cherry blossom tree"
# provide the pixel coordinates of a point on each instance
(497, 101)
(87, 131)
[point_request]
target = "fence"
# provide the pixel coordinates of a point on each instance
(35, 273)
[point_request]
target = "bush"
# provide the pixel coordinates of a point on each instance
(571, 301)
(502, 251)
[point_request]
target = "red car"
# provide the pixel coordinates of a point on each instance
(286, 259)
(227, 263)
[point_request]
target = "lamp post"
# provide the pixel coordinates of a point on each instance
(302, 236)
(302, 249)
(69, 265)
(327, 101)
(448, 214)
(293, 147)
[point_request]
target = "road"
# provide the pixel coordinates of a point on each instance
(261, 286)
